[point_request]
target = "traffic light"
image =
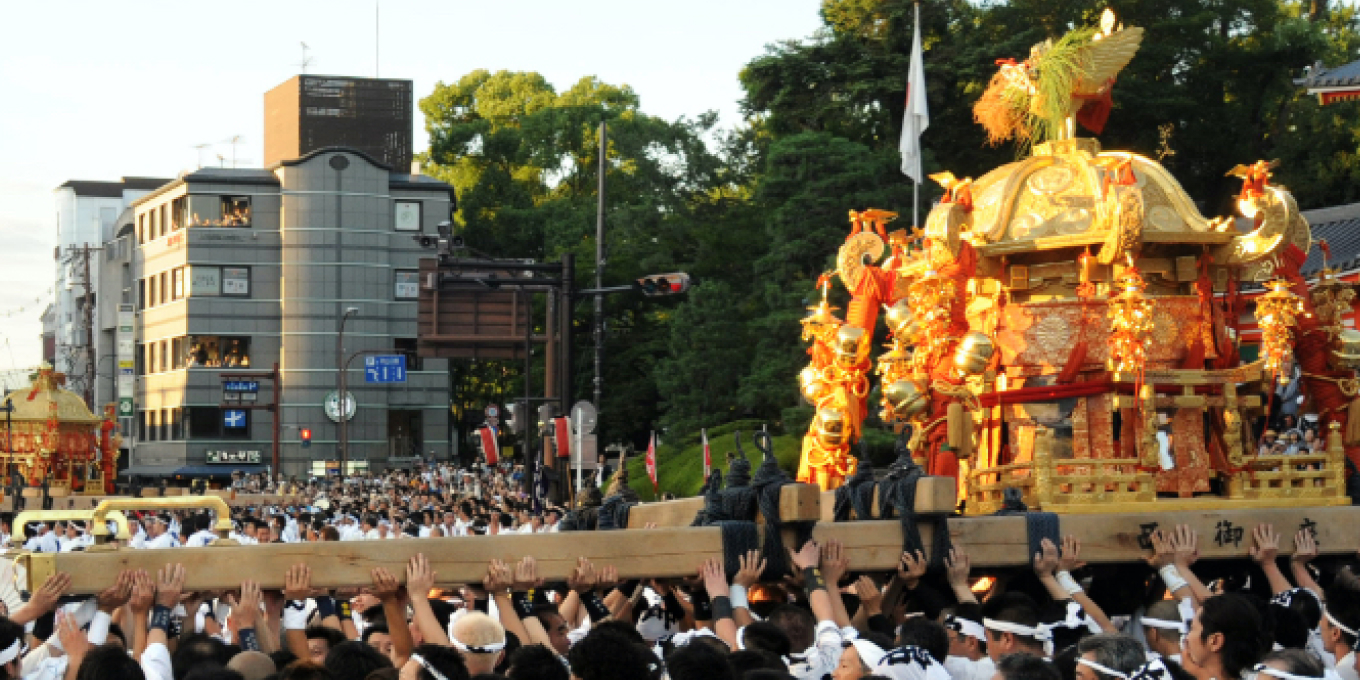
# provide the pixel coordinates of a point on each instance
(655, 285)
(306, 437)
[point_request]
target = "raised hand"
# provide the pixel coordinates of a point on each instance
(73, 639)
(245, 612)
(526, 574)
(385, 586)
(959, 567)
(835, 562)
(609, 578)
(117, 594)
(807, 557)
(1046, 560)
(143, 593)
(1305, 548)
(584, 577)
(1070, 557)
(169, 585)
(715, 579)
(297, 582)
(870, 597)
(419, 577)
(1186, 544)
(1266, 544)
(1163, 549)
(47, 595)
(911, 568)
(752, 566)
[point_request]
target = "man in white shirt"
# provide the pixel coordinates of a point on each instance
(44, 541)
(162, 537)
(370, 529)
(202, 535)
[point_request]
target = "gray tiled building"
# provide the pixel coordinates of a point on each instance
(237, 269)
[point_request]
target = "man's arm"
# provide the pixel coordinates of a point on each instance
(835, 563)
(1305, 550)
(156, 657)
(752, 566)
(1265, 548)
(807, 560)
(715, 582)
(388, 591)
(42, 601)
(419, 581)
(1069, 560)
(297, 587)
(245, 616)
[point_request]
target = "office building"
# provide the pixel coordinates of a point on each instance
(309, 112)
(237, 269)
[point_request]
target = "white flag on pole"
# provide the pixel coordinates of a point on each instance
(917, 118)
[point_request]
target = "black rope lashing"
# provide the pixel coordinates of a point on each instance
(614, 513)
(738, 538)
(1038, 525)
(712, 509)
(858, 491)
(897, 495)
(767, 484)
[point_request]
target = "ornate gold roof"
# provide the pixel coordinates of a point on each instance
(1071, 194)
(70, 407)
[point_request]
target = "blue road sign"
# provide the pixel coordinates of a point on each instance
(385, 368)
(241, 386)
(234, 418)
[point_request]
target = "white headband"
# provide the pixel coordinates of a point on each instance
(483, 649)
(1332, 619)
(12, 653)
(426, 665)
(1103, 669)
(1282, 675)
(1164, 624)
(967, 627)
(1040, 632)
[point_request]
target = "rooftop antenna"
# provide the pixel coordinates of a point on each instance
(233, 141)
(306, 60)
(221, 162)
(200, 148)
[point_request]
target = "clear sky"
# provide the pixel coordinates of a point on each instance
(100, 90)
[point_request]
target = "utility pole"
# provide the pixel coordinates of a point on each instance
(89, 330)
(599, 270)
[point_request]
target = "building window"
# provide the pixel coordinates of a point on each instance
(151, 357)
(153, 225)
(407, 348)
(406, 216)
(177, 283)
(205, 422)
(165, 287)
(213, 351)
(152, 426)
(176, 425)
(407, 284)
(179, 213)
(236, 211)
(177, 354)
(151, 291)
(140, 359)
(141, 294)
(165, 223)
(165, 355)
(141, 228)
(165, 424)
(236, 281)
(205, 281)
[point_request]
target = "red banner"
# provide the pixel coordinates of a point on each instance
(708, 454)
(651, 461)
(562, 436)
(490, 448)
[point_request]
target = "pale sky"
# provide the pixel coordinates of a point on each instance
(99, 90)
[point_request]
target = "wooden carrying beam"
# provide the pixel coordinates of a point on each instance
(797, 502)
(875, 545)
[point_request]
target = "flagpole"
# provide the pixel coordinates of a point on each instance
(915, 181)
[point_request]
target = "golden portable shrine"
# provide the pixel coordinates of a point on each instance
(1062, 315)
(50, 435)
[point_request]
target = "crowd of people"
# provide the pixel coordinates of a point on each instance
(1170, 618)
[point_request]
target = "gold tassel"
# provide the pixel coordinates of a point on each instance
(960, 430)
(1352, 435)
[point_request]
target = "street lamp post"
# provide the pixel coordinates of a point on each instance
(341, 401)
